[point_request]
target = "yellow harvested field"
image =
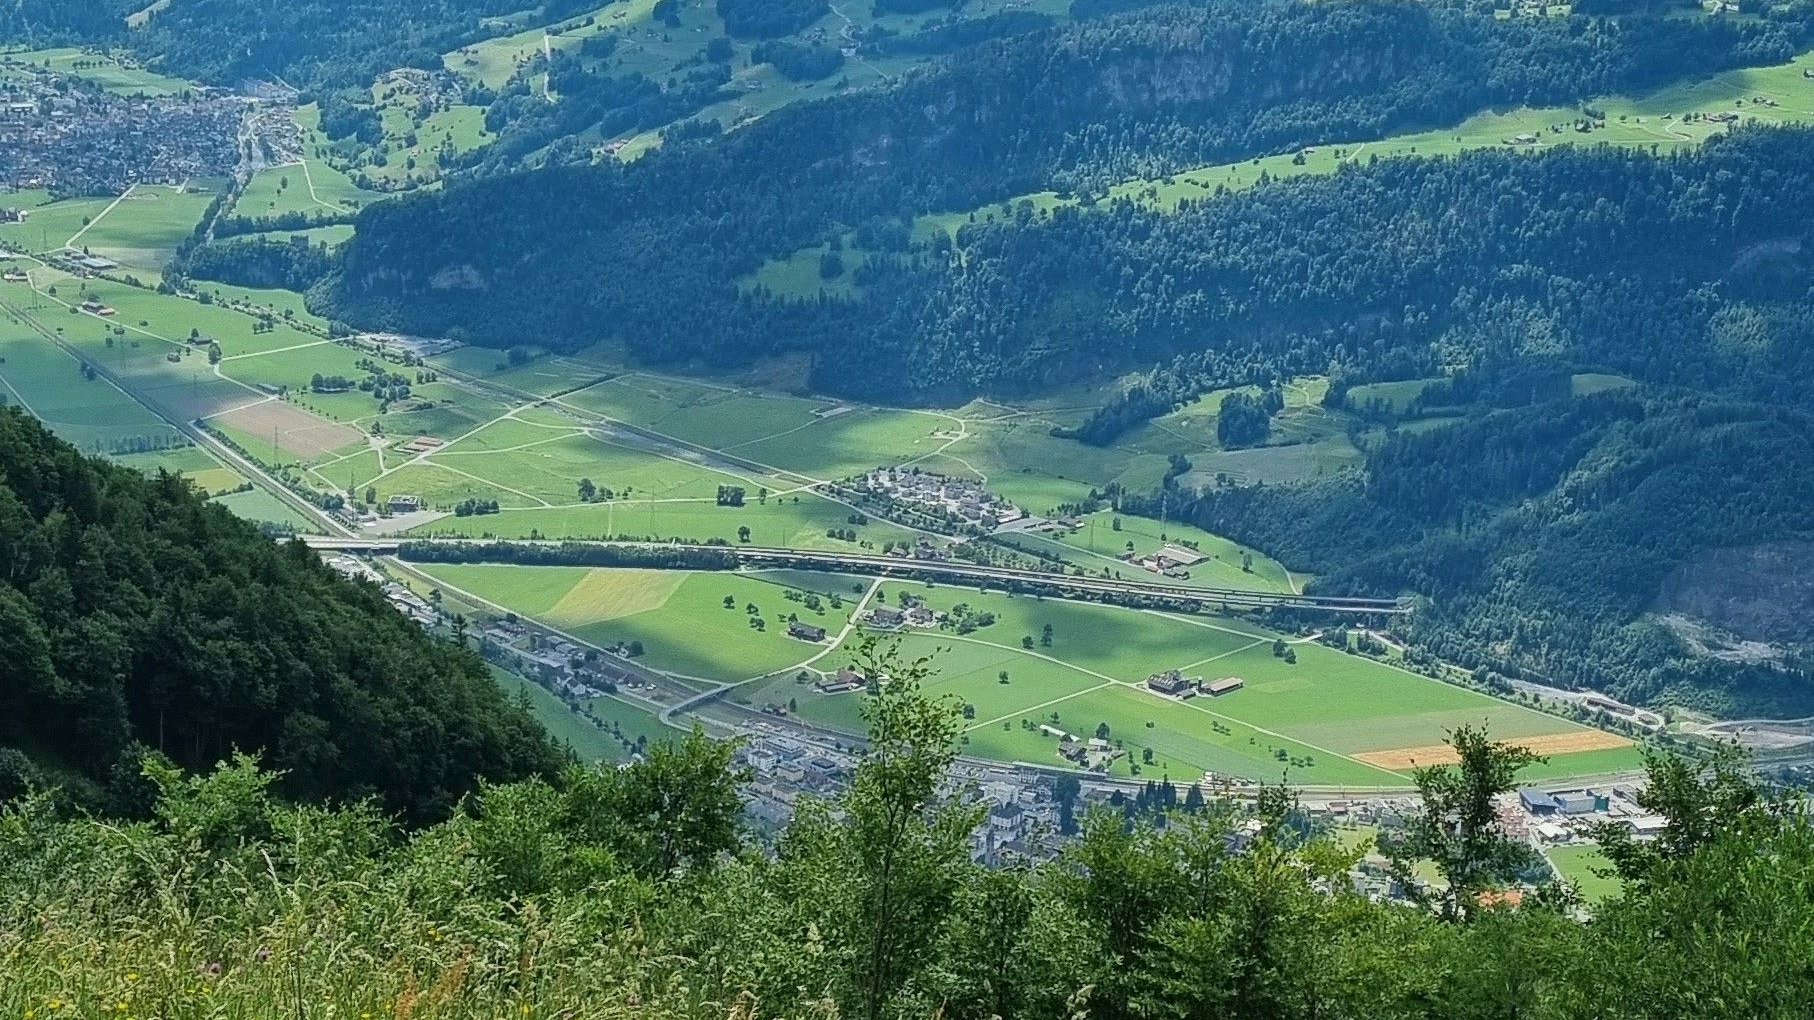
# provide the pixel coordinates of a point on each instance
(611, 594)
(1399, 759)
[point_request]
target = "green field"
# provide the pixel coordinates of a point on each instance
(89, 413)
(1106, 536)
(1315, 718)
(602, 729)
(333, 236)
(679, 617)
(259, 506)
(1588, 868)
(140, 229)
(117, 73)
(311, 188)
(209, 475)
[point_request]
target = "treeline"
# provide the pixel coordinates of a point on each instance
(798, 61)
(137, 618)
(236, 226)
(1542, 538)
(766, 19)
(636, 892)
(263, 263)
(956, 33)
(1093, 103)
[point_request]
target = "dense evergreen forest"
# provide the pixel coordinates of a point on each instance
(1094, 102)
(633, 893)
(137, 619)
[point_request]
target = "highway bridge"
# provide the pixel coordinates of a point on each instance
(950, 570)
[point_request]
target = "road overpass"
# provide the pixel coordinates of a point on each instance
(949, 570)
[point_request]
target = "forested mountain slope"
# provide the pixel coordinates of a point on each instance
(1072, 108)
(134, 614)
(1542, 539)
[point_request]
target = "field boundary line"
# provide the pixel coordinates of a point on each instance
(508, 449)
(274, 350)
(1190, 704)
(1206, 625)
(1255, 643)
(20, 397)
(86, 227)
(1046, 704)
(486, 481)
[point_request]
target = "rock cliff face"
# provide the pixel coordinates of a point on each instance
(1762, 593)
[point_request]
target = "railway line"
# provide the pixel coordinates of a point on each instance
(860, 563)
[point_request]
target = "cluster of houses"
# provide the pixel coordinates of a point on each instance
(913, 612)
(958, 499)
(1093, 753)
(73, 140)
(1174, 684)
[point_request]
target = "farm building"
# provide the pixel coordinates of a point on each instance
(1171, 683)
(1180, 556)
(845, 679)
(95, 263)
(805, 631)
(1226, 685)
(885, 616)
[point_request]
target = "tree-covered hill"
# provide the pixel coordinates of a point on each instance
(1072, 108)
(1542, 538)
(135, 615)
